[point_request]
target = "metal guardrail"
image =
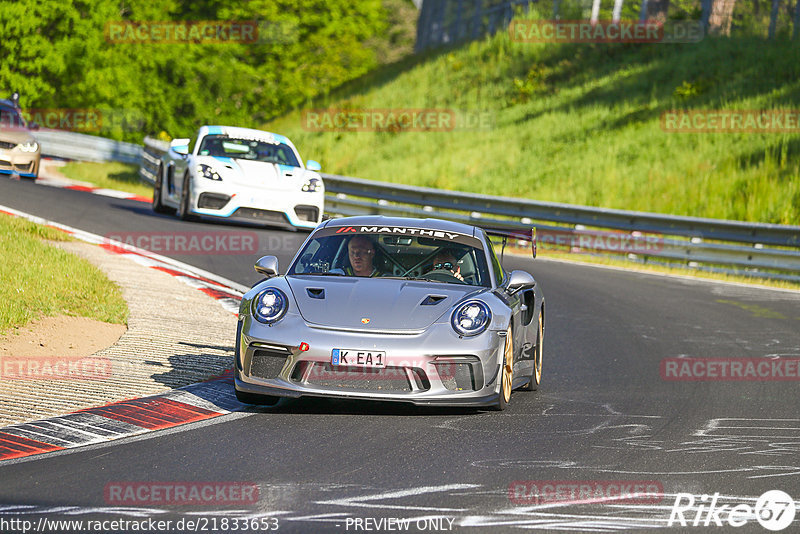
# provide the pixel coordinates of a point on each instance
(71, 145)
(651, 237)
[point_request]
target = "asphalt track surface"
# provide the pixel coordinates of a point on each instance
(604, 413)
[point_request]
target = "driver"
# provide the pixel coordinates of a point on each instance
(446, 260)
(361, 253)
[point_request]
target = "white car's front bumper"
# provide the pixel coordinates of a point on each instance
(257, 205)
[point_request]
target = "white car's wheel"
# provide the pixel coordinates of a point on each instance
(185, 208)
(158, 191)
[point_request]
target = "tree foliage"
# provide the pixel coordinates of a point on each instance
(57, 54)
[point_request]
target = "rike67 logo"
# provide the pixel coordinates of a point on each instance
(774, 510)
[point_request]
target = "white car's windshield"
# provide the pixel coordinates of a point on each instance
(251, 149)
(407, 253)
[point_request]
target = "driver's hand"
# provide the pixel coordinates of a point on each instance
(457, 274)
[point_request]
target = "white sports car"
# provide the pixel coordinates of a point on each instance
(239, 174)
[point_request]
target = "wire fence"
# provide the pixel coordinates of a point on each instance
(449, 22)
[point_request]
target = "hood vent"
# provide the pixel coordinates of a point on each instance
(315, 292)
(432, 300)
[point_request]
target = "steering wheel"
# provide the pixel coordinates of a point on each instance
(443, 275)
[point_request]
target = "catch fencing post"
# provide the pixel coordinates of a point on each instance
(618, 10)
(773, 18)
(643, 11)
(595, 11)
(705, 14)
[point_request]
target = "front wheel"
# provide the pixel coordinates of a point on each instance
(506, 373)
(158, 202)
(185, 211)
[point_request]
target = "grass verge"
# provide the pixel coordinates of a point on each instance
(581, 124)
(39, 279)
(109, 175)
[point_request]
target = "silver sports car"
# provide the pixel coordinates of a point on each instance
(393, 309)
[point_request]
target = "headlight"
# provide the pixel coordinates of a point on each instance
(471, 318)
(270, 305)
(29, 147)
(207, 172)
(312, 185)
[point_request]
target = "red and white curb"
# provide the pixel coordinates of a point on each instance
(227, 292)
(196, 402)
(192, 403)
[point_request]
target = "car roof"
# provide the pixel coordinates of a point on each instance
(244, 132)
(407, 222)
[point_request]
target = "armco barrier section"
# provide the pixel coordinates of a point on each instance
(71, 145)
(735, 248)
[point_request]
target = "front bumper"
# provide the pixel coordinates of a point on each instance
(13, 161)
(258, 205)
(433, 367)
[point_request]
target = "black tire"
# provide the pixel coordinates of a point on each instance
(506, 376)
(536, 374)
(158, 191)
(252, 398)
(183, 210)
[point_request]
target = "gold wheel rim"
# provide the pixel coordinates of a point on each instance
(508, 366)
(539, 351)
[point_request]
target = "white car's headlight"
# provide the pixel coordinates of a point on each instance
(471, 318)
(312, 185)
(29, 147)
(270, 305)
(206, 171)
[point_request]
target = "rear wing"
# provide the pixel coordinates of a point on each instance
(519, 238)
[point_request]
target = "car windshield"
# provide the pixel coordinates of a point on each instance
(252, 149)
(10, 118)
(394, 252)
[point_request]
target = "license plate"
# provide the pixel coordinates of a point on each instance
(358, 358)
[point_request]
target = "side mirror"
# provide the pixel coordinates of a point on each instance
(312, 165)
(519, 280)
(267, 265)
(179, 146)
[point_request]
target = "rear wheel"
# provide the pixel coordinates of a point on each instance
(158, 187)
(536, 373)
(506, 373)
